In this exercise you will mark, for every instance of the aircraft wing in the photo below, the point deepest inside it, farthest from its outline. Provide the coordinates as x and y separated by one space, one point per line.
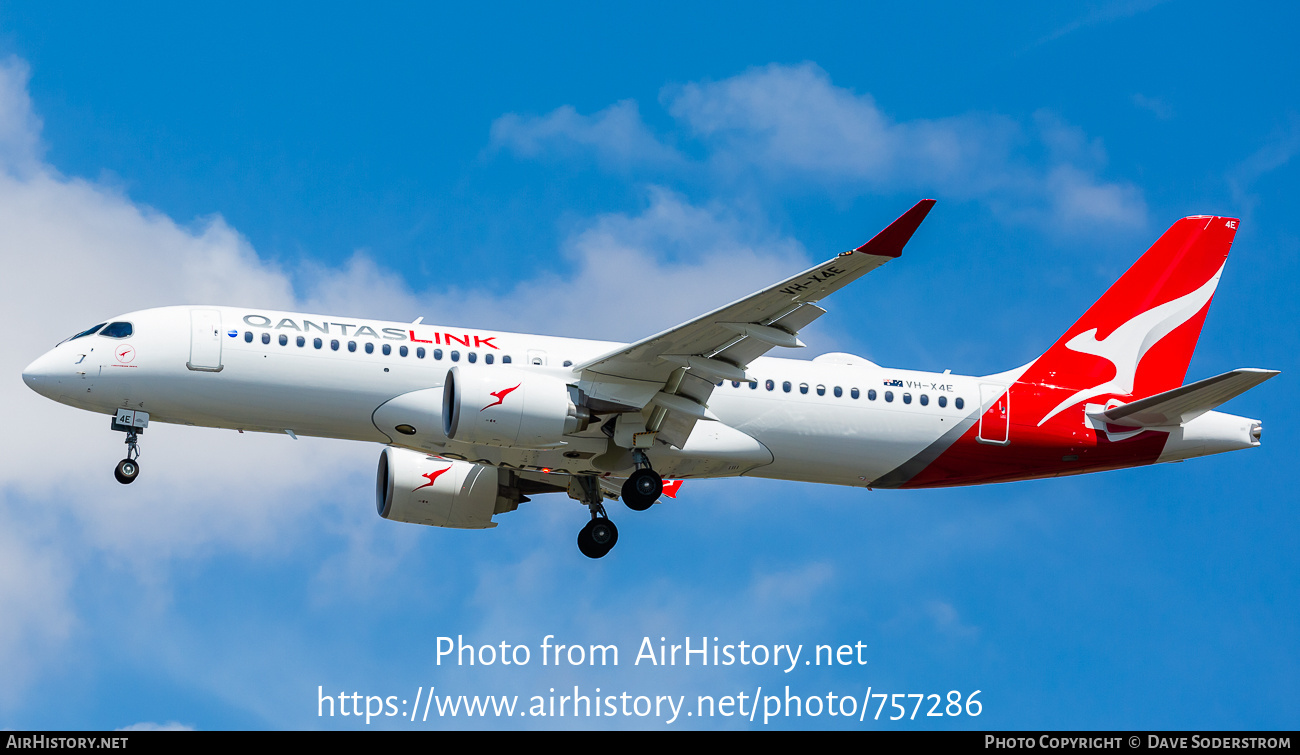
686 362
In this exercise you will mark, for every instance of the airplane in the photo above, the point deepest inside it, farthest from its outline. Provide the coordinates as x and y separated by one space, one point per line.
474 422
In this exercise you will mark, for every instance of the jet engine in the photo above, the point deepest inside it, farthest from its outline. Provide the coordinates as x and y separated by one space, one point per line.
417 488
512 408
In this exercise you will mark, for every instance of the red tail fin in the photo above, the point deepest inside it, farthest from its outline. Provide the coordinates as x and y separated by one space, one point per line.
1138 338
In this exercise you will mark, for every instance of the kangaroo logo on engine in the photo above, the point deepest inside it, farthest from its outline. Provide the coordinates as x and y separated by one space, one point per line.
500 397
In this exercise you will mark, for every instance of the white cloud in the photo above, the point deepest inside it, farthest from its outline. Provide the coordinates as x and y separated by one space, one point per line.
1102 13
1281 146
793 122
780 124
792 119
616 135
647 271
36 616
76 252
1154 105
20 128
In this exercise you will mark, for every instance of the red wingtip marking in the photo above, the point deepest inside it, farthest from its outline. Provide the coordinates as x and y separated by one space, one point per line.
890 242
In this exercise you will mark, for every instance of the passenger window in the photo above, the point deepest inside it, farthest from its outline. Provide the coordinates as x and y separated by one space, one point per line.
568 363
889 395
855 393
821 390
907 398
871 394
437 353
266 338
455 356
505 359
248 336
753 385
472 357
959 403
301 341
770 385
116 330
388 349
786 386
925 400
803 388
839 392
284 340
352 345
334 344
487 359
403 350
420 352
317 343
735 383
370 347
943 401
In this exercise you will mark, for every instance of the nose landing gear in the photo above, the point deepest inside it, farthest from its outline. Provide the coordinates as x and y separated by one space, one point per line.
133 424
126 471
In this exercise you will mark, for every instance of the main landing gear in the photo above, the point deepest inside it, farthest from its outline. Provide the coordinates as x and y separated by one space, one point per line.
643 486
133 424
599 535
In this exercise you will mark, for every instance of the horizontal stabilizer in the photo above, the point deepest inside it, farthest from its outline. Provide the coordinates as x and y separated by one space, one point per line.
1181 405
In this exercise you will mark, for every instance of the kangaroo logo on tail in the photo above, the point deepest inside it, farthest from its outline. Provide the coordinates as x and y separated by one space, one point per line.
1127 344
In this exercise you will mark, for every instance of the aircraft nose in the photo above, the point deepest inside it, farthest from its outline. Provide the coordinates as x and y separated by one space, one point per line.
41 375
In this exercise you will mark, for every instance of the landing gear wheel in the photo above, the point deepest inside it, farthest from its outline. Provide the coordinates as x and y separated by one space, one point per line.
126 471
597 538
642 489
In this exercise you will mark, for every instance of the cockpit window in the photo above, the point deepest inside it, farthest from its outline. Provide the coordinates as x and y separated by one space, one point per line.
87 332
117 330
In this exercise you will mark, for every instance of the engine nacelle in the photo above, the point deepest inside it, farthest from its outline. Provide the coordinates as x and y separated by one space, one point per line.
414 487
512 408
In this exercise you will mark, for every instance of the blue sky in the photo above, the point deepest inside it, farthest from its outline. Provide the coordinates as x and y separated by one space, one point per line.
529 169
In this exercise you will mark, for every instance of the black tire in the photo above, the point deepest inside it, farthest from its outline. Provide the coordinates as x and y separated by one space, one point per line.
604 534
127 470
597 538
642 488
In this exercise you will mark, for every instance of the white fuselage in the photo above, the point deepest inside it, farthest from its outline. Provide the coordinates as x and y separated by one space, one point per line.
825 420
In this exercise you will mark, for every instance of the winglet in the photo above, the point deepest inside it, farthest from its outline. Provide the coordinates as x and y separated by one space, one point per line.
890 242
